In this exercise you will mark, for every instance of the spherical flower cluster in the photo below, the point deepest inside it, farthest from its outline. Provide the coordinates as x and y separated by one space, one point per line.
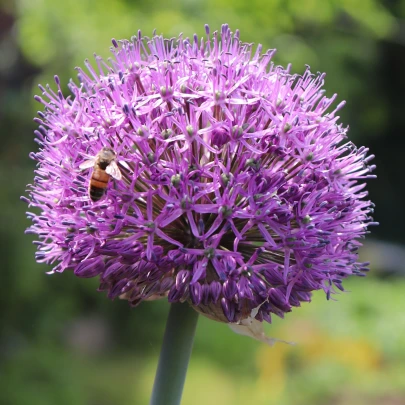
238 192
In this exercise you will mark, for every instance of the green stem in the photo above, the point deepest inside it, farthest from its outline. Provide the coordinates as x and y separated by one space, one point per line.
175 355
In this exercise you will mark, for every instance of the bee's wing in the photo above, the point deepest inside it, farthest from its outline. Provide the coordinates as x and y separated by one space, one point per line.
87 163
113 170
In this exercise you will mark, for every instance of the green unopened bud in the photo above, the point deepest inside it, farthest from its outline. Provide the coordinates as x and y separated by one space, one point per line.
287 127
209 253
151 157
185 203
225 179
163 91
226 211
90 229
190 131
143 131
309 157
290 241
306 220
246 273
175 180
249 128
237 131
151 225
166 91
167 133
253 163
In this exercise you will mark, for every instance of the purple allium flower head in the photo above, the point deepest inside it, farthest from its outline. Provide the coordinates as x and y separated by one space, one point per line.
239 192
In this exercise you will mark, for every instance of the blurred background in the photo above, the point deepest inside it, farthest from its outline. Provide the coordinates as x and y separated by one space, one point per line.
63 343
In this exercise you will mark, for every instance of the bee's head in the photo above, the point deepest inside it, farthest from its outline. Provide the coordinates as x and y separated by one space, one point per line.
107 154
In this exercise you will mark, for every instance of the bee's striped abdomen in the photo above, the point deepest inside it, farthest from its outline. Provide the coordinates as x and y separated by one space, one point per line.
98 183
96 193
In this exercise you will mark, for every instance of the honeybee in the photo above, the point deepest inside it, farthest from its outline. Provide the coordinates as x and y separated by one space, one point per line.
104 166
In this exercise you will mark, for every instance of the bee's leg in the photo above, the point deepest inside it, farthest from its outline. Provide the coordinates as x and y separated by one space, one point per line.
114 183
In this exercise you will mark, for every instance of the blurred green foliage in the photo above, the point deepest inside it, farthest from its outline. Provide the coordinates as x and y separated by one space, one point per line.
62 342
346 352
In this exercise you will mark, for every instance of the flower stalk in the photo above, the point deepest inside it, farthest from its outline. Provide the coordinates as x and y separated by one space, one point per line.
175 355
